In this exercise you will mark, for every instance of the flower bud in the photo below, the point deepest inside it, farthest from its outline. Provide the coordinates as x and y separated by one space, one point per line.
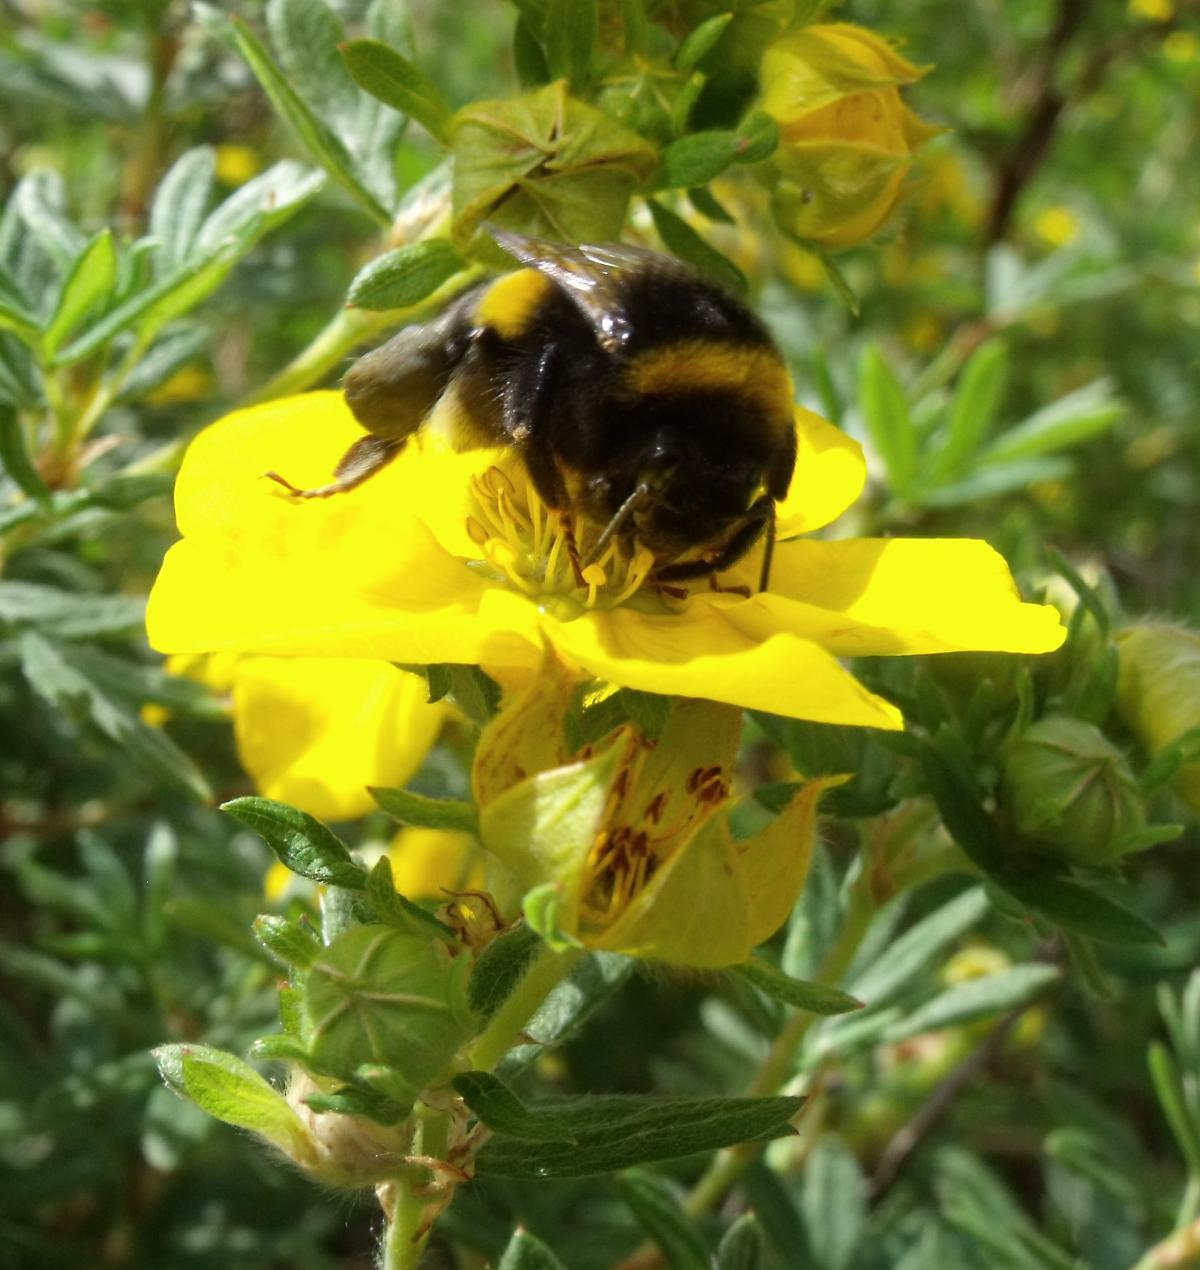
344 1150
380 996
1069 790
846 138
1158 693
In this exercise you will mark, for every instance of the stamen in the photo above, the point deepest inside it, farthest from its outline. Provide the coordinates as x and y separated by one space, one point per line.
595 577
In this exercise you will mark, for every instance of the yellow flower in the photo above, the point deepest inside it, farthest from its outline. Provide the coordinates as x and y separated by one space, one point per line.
1152 10
1056 226
426 863
236 164
629 840
846 137
448 557
1181 46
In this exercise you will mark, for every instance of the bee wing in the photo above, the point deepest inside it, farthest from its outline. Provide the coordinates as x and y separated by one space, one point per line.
593 275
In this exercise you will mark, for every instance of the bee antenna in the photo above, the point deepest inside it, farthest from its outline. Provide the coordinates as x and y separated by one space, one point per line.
768 552
620 516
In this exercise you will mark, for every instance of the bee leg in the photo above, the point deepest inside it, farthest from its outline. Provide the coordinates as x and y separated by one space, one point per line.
528 407
362 460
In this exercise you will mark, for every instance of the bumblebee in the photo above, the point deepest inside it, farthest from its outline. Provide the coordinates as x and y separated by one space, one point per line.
645 401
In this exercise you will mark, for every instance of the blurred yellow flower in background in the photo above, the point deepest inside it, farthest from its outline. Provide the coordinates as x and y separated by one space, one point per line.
236 164
1056 226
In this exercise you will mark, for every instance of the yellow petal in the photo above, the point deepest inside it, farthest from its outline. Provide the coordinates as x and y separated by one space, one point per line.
829 477
701 652
426 863
317 732
870 596
718 898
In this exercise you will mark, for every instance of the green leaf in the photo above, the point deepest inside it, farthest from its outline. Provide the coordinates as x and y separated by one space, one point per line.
816 998
885 411
975 999
976 401
69 614
1069 421
306 36
616 1132
235 1093
287 941
174 349
39 200
259 206
16 318
994 480
55 674
590 984
700 42
696 159
529 60
500 967
90 282
1168 1087
919 948
426 813
300 841
834 1204
503 1112
1078 908
322 145
656 1203
953 787
153 307
527 1252
394 909
571 29
405 276
17 463
688 245
179 206
743 1246
395 81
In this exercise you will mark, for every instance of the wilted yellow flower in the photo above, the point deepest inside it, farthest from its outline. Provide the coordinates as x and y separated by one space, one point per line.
632 835
846 137
448 557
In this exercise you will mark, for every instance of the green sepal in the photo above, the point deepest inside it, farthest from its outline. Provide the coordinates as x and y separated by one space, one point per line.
279 1047
300 841
394 909
542 907
351 1100
381 996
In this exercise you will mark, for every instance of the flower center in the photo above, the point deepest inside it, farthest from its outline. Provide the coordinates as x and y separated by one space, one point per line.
533 550
625 856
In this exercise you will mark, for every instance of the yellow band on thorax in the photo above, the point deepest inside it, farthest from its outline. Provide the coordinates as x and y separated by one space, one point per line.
509 303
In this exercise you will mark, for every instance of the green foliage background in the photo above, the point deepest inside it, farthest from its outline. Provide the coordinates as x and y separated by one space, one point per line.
126 900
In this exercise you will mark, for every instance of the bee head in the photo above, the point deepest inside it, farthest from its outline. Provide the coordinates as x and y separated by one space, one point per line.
693 497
